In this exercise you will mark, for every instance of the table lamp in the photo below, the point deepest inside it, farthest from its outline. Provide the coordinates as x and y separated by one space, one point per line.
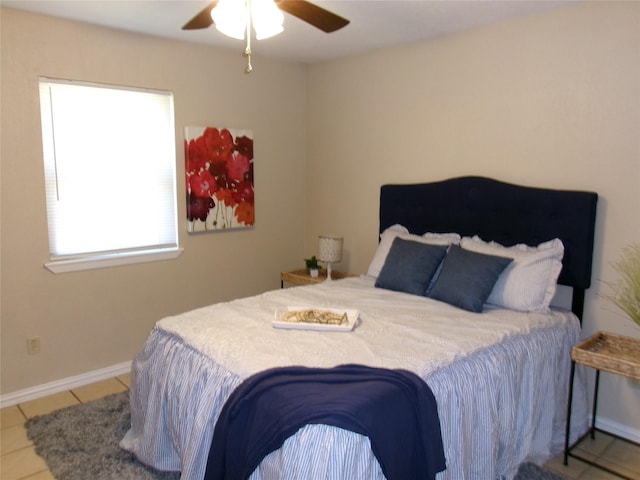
329 250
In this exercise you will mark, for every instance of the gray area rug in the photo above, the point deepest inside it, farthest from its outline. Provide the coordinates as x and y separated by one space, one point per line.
81 442
531 471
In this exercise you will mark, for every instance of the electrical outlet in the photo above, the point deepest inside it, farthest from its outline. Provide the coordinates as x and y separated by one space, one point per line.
33 345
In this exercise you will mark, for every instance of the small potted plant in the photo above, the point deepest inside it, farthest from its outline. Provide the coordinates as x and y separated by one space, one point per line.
312 266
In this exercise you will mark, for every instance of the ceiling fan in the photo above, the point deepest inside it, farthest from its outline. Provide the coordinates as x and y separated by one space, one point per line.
306 11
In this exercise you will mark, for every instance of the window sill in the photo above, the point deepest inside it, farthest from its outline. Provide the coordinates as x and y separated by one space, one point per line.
112 260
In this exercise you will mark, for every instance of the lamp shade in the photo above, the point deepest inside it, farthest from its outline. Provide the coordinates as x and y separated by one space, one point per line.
329 249
230 17
266 17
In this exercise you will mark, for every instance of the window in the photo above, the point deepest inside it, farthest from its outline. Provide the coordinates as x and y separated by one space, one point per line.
109 162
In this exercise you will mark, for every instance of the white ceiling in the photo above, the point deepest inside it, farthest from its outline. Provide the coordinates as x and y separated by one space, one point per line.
374 23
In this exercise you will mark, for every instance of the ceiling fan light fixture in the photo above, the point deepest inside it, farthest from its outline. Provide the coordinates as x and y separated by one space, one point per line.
234 18
266 18
231 17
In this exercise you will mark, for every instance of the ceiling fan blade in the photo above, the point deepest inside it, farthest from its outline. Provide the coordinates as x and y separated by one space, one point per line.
202 19
318 17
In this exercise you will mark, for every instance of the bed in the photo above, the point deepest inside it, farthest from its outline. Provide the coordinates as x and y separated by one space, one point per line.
499 374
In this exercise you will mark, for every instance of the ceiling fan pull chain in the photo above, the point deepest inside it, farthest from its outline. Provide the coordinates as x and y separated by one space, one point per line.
247 53
247 50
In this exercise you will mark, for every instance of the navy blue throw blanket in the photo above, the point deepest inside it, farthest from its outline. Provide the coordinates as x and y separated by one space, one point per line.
394 408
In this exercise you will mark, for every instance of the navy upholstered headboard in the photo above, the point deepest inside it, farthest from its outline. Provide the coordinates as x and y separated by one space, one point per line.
502 212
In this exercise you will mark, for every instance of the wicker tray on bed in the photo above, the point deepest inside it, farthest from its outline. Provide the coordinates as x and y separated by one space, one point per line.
611 353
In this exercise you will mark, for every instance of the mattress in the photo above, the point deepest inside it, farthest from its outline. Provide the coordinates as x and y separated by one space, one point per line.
500 379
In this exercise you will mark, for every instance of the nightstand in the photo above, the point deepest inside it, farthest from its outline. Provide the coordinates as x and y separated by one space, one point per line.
606 352
302 277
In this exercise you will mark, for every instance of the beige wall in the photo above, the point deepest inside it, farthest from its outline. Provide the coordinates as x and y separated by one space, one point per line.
549 100
95 319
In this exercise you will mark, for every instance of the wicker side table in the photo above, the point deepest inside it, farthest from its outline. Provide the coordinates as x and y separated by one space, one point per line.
605 352
302 277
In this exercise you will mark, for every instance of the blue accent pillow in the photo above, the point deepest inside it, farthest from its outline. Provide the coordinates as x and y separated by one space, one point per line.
409 266
467 278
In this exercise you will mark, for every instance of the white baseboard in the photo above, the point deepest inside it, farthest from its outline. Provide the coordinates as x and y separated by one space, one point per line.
65 384
618 429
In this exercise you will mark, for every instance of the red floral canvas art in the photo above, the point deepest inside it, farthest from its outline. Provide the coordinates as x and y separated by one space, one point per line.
219 175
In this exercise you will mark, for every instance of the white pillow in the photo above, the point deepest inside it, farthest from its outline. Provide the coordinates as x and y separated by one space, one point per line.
529 282
442 238
387 237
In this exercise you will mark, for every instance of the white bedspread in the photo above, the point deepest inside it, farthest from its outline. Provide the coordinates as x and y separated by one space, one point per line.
500 379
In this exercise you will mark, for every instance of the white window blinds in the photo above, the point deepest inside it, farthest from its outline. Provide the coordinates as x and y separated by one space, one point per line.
109 160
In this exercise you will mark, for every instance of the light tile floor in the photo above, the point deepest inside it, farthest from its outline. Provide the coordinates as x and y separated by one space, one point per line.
18 459
20 462
615 454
